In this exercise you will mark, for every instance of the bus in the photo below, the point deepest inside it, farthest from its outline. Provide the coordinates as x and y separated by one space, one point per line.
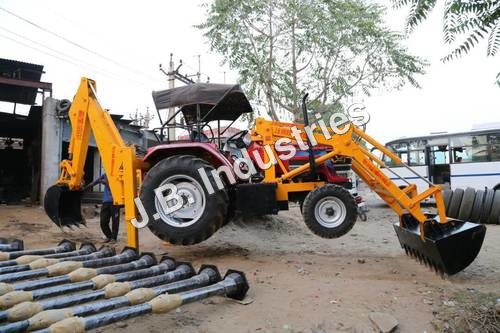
451 160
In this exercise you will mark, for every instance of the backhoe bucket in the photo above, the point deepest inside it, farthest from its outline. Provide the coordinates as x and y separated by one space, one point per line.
447 248
63 206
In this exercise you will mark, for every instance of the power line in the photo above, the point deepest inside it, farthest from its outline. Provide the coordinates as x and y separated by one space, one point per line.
88 65
70 61
73 43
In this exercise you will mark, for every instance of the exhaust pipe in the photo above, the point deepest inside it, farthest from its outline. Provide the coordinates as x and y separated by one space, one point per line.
234 286
7 257
86 248
27 309
15 245
206 276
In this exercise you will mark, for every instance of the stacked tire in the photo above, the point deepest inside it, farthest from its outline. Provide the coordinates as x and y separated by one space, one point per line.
481 206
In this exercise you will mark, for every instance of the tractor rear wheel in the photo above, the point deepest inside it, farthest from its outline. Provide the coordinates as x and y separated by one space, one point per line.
330 211
201 213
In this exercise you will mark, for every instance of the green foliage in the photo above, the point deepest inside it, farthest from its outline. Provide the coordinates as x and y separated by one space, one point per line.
472 21
331 49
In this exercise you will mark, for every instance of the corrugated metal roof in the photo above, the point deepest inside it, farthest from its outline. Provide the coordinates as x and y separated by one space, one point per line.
13 69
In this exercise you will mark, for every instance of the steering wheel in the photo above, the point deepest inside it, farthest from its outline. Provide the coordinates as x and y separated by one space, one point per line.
237 139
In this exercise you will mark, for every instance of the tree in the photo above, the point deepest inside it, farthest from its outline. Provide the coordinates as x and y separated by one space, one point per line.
472 21
141 119
331 49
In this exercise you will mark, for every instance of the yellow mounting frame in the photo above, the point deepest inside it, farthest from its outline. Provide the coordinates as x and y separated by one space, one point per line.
364 163
119 160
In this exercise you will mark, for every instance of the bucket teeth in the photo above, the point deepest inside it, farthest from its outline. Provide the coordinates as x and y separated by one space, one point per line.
422 259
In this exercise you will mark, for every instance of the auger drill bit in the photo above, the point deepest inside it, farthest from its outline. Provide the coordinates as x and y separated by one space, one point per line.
206 276
66 267
234 285
23 262
63 246
27 309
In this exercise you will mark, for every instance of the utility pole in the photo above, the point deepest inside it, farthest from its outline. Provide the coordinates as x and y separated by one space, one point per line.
199 68
171 84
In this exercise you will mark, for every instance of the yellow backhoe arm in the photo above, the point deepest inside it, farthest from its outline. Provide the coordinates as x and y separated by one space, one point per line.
364 163
120 164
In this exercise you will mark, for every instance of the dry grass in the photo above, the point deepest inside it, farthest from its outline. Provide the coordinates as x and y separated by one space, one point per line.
469 311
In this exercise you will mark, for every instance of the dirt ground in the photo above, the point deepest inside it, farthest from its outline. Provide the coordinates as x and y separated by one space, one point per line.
298 282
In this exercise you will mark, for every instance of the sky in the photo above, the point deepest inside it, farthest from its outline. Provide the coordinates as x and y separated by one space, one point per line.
120 44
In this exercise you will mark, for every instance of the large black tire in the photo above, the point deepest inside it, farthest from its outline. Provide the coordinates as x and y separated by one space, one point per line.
495 209
447 197
330 201
456 200
487 203
215 205
467 203
477 207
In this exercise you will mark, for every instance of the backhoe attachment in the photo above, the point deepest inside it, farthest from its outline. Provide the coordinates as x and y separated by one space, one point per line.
63 206
62 201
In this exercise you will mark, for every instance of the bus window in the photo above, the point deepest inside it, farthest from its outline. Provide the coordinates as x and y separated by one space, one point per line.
495 152
480 153
440 155
417 157
462 154
404 157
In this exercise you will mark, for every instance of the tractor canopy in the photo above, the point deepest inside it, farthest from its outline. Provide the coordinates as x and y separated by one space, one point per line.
215 101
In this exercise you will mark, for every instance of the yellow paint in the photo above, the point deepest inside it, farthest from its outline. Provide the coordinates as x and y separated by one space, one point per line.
120 164
364 163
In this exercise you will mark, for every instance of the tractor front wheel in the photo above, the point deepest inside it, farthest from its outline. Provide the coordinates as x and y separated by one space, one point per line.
330 211
201 213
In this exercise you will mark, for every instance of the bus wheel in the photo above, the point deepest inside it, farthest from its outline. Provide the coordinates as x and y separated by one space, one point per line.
488 201
477 207
456 200
467 203
495 209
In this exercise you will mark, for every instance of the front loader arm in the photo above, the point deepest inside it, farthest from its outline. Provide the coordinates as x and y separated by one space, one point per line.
447 245
120 164
364 163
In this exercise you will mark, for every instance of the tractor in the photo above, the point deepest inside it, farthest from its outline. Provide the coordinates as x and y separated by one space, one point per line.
184 191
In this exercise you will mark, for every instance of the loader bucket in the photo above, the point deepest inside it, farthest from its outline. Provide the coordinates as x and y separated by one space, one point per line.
447 248
63 206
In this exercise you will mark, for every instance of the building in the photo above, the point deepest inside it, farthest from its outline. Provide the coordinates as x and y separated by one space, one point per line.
32 145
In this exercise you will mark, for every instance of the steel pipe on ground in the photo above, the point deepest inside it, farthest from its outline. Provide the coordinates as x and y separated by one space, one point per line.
64 266
234 285
15 245
47 282
85 248
27 309
37 266
22 263
114 289
64 246
207 275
